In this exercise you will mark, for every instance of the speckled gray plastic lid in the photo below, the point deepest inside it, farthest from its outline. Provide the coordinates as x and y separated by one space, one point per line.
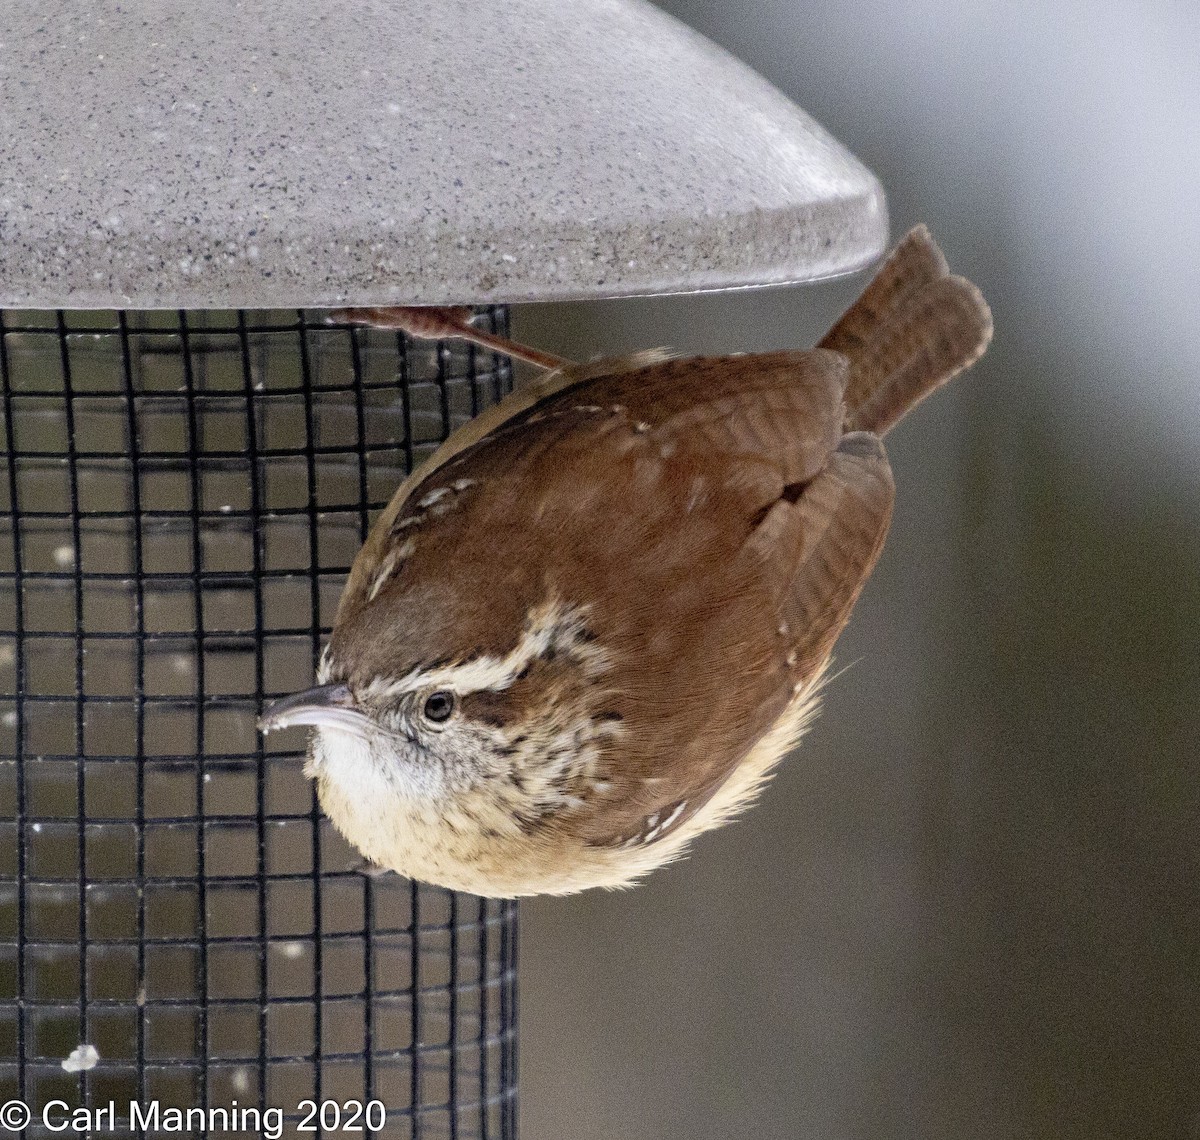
278 153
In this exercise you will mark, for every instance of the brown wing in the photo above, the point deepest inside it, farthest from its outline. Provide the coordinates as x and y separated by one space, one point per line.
779 407
736 406
818 550
778 414
809 558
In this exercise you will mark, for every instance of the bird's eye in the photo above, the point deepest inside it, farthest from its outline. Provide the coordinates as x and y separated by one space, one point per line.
438 706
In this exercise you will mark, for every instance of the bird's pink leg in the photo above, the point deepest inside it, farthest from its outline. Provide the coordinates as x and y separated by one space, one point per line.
433 322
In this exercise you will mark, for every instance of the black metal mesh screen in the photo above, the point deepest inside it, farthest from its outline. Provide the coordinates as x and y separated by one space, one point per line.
181 499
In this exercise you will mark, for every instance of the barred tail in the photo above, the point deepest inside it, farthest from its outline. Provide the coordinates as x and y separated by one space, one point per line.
915 326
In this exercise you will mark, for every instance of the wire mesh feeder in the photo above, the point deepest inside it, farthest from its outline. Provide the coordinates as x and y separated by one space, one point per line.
182 498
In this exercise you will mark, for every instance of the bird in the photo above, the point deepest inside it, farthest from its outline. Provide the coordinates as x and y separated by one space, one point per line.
588 628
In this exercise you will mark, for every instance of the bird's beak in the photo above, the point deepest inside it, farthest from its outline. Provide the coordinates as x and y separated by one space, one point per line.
327 706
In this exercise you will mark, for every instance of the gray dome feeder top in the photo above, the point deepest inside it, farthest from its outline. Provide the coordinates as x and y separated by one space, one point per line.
231 153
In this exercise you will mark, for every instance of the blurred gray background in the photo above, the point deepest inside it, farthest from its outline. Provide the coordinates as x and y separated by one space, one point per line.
969 906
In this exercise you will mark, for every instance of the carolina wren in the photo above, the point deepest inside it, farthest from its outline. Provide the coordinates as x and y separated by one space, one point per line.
590 625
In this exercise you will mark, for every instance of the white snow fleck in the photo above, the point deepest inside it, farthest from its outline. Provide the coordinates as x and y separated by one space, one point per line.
82 1058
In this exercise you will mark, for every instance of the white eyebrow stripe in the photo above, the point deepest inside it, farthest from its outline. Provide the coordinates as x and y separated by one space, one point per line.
549 624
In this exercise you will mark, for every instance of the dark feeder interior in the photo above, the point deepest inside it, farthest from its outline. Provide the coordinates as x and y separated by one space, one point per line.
183 494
